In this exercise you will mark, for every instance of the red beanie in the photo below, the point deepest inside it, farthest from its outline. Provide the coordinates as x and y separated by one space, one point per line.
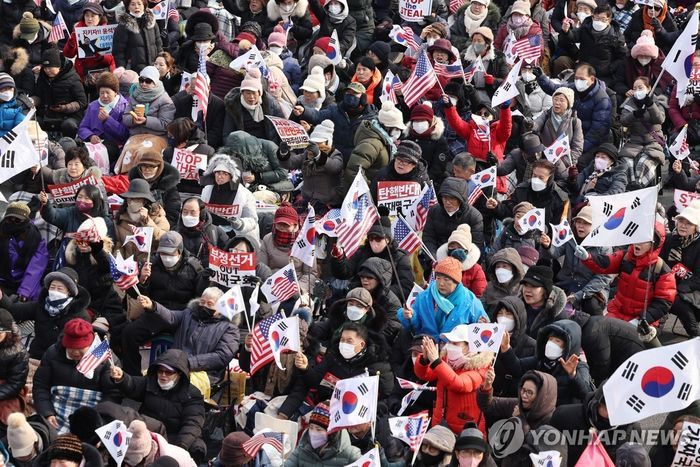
422 112
287 214
324 44
77 334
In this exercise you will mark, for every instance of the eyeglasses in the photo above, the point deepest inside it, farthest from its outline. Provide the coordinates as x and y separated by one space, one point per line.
145 80
483 114
148 167
404 161
527 392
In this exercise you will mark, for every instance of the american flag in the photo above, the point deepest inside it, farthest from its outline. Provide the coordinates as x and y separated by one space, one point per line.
350 232
121 279
419 208
449 71
390 85
58 29
173 15
261 352
417 426
422 79
407 239
253 445
93 358
476 66
282 285
406 384
528 48
201 86
483 128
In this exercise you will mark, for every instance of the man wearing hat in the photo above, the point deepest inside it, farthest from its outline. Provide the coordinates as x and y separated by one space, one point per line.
11 112
543 300
604 176
520 159
471 449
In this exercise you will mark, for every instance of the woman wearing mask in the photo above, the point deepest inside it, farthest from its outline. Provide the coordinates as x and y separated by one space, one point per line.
605 175
471 449
10 112
532 101
150 108
503 275
643 153
654 18
470 17
458 374
198 231
645 60
460 246
427 132
139 210
137 40
296 11
370 77
375 277
561 119
495 64
520 24
170 75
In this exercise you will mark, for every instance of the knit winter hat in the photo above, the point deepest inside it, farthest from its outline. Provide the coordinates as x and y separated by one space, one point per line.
253 27
391 117
441 438
609 150
320 415
315 82
252 82
451 268
381 50
77 334
324 43
150 72
422 113
67 276
18 210
286 214
568 93
523 207
522 7
360 294
108 80
140 444
28 26
691 213
66 447
6 320
20 435
485 32
462 236
277 38
409 151
645 46
323 132
382 227
528 255
232 454
6 81
540 276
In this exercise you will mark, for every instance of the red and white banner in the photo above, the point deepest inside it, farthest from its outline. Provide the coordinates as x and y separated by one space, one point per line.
65 193
395 195
189 163
230 268
682 198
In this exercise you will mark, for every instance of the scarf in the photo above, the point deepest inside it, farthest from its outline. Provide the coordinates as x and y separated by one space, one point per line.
110 105
522 30
677 251
472 21
647 19
388 141
56 307
558 120
255 111
443 303
589 184
146 97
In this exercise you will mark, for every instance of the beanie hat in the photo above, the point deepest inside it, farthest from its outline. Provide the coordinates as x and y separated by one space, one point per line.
77 334
368 63
324 43
252 82
150 72
441 438
471 438
609 150
323 132
409 150
320 415
523 7
66 447
436 28
528 255
6 321
360 294
589 3
140 444
315 82
450 267
20 435
6 81
646 46
277 38
67 276
18 210
422 112
632 455
391 117
523 206
28 26
254 28
381 50
232 453
568 93
382 227
485 32
540 276
691 213
286 214
108 80
462 236
83 423
245 36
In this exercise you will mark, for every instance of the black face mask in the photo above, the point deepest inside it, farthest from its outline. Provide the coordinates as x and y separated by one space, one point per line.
427 459
13 229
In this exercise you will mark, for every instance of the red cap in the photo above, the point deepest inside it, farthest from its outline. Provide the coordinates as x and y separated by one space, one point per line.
324 44
286 214
77 334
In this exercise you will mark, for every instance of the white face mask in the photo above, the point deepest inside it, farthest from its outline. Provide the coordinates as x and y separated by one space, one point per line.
287 8
581 16
601 163
454 352
639 95
537 185
55 295
335 9
275 50
354 313
552 351
317 438
7 95
506 322
599 25
167 386
431 41
644 61
421 127
503 275
347 350
169 261
581 85
396 133
137 15
528 77
190 221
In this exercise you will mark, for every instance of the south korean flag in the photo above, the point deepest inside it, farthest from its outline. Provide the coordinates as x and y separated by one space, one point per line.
622 219
354 401
654 381
485 336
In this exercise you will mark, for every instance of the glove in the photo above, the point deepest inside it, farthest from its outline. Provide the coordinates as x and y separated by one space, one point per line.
237 223
469 89
321 159
446 101
573 172
284 148
639 113
646 333
491 158
314 151
648 101
656 24
537 71
336 252
96 247
581 253
488 79
528 124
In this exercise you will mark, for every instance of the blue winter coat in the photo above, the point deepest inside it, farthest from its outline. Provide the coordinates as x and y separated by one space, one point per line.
345 127
10 116
594 110
467 310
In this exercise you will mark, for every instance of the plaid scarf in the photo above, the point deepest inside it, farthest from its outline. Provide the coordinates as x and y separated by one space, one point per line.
66 400
589 184
674 256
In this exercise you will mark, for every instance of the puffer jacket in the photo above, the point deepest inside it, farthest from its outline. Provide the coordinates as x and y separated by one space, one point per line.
164 190
575 279
181 409
137 41
320 175
257 155
14 364
301 20
686 270
456 390
338 452
644 282
159 113
605 50
642 129
473 276
66 89
16 63
500 132
459 35
434 150
611 182
238 118
372 152
10 115
210 342
495 291
555 308
571 126
174 288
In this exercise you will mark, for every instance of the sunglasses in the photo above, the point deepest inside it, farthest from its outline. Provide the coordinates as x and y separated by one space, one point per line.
145 80
483 114
657 8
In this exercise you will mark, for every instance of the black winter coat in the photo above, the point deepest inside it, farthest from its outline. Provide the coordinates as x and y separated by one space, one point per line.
553 199
64 88
434 152
137 41
14 365
686 284
11 14
605 50
164 190
636 26
56 370
345 29
238 118
181 409
197 239
175 288
214 120
46 328
612 182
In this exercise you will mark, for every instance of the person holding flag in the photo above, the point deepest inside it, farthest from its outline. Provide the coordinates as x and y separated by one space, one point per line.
559 120
512 234
524 29
411 393
460 246
335 16
484 63
605 175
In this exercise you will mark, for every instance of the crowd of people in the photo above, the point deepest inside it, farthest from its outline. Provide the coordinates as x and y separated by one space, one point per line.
113 117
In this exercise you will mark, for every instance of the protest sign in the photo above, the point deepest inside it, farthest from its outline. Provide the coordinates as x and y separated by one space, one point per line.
414 10
94 40
229 268
688 452
395 195
65 193
290 132
682 198
189 163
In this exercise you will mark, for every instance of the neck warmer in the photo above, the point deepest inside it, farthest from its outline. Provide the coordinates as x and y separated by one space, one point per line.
472 22
146 97
443 303
283 239
54 308
254 110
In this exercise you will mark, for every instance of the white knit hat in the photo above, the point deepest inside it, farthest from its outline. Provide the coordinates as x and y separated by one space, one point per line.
462 235
691 213
323 132
20 435
151 73
315 82
391 117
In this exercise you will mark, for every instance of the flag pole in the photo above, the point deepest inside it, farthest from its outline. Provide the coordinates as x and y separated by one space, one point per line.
41 172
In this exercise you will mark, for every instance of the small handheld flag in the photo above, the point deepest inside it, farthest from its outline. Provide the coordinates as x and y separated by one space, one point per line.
561 233
532 220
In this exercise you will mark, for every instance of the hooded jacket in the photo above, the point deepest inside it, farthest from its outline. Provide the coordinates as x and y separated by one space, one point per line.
137 41
64 89
384 301
345 29
14 364
164 190
16 63
495 291
181 409
552 310
473 277
644 281
257 155
373 150
338 452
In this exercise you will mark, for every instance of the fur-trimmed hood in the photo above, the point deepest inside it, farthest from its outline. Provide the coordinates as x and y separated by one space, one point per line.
201 16
473 255
72 251
18 60
274 13
207 178
553 310
12 345
476 361
438 128
134 25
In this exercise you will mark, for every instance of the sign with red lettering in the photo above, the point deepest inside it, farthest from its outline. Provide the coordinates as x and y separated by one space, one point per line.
65 193
682 198
414 10
290 132
189 163
395 195
230 268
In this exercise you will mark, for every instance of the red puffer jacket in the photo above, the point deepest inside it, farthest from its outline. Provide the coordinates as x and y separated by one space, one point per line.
634 281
